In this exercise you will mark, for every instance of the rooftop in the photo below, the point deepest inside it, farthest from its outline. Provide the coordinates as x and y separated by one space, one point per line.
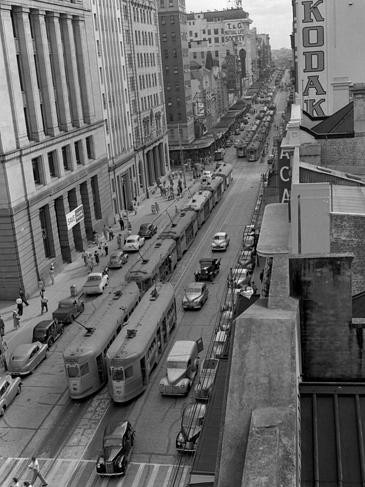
274 232
348 199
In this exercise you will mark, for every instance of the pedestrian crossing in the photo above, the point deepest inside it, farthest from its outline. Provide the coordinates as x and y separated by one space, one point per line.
82 473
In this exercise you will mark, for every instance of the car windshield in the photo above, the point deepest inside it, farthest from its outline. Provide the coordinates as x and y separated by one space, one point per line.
218 237
131 240
176 364
64 305
194 290
94 278
143 227
73 370
112 441
39 334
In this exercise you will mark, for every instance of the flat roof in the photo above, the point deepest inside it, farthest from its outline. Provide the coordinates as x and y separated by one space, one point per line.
274 233
348 199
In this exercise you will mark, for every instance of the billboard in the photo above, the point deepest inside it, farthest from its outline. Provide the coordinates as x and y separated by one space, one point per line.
74 217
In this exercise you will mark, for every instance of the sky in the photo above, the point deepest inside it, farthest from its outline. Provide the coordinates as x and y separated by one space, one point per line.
273 17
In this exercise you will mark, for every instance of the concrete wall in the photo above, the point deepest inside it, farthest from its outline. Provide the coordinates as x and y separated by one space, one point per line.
323 286
348 235
264 374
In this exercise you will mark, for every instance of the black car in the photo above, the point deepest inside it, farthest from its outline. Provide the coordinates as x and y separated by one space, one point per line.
69 309
209 268
47 331
147 230
118 442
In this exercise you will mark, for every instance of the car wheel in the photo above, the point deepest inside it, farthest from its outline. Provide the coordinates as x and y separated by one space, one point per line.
50 343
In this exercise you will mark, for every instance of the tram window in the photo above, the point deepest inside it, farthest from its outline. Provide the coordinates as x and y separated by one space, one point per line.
117 373
128 372
84 369
72 370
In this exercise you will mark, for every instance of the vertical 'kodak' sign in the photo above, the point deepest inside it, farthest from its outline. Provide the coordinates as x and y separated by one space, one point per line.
313 41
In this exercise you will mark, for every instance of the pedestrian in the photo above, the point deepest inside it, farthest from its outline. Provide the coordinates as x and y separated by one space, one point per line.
27 484
15 482
34 465
84 256
121 223
261 275
16 320
119 240
106 248
22 295
96 257
3 360
51 273
91 263
44 304
111 233
19 305
106 233
2 327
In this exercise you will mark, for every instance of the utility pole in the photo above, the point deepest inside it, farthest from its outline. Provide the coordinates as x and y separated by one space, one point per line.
181 156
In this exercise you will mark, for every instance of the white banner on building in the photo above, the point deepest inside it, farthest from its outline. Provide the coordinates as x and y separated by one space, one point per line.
75 216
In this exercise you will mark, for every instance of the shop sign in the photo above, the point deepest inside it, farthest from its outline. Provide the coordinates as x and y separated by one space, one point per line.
284 174
313 38
74 217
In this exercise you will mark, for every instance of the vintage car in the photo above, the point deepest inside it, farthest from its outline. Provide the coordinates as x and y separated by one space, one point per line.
226 318
9 388
147 230
239 277
117 259
220 241
69 309
209 268
95 283
181 368
191 425
133 243
196 294
118 440
47 331
205 383
247 259
26 357
219 344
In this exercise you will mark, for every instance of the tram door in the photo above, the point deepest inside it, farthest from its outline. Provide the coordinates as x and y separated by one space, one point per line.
144 371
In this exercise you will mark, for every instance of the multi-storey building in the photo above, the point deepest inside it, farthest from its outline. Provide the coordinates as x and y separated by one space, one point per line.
113 75
53 172
263 54
227 34
176 71
139 20
324 33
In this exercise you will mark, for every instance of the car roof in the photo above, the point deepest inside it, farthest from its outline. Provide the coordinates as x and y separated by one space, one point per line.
116 428
134 237
95 274
43 325
145 225
4 378
195 284
70 300
220 234
24 348
116 253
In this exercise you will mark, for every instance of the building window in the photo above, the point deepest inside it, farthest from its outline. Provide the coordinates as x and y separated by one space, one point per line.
216 40
90 147
209 32
216 53
78 152
52 163
172 19
66 158
37 170
216 31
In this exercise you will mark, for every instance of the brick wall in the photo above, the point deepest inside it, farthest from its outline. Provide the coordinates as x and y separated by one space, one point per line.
348 235
323 286
346 155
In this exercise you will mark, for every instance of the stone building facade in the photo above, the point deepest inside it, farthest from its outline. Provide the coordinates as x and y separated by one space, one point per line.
53 171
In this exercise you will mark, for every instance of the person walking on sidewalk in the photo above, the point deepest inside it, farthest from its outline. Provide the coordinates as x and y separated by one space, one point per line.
121 223
90 263
16 320
44 304
84 255
2 327
34 465
19 305
106 248
96 257
22 295
51 273
111 233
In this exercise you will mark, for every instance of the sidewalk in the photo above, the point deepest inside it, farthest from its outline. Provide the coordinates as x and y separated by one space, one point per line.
76 272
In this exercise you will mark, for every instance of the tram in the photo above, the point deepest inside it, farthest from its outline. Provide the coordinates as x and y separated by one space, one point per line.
182 229
156 264
225 171
241 149
139 346
215 186
84 358
201 203
254 150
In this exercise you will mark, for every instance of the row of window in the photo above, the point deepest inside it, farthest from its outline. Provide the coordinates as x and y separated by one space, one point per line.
145 81
209 32
146 59
142 15
53 160
216 40
143 38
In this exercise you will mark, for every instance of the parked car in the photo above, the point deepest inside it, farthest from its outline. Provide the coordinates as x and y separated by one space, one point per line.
207 375
47 331
196 294
133 243
220 241
147 230
118 440
219 343
95 283
26 357
117 259
240 276
181 368
69 309
9 388
207 174
191 425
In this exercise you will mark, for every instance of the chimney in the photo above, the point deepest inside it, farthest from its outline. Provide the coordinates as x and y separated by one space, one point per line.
358 96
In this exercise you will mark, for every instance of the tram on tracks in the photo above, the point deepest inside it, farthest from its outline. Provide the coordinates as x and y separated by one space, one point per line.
202 204
139 346
156 264
215 186
84 358
225 171
182 229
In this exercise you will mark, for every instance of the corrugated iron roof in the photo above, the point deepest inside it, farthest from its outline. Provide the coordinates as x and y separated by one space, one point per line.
348 199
